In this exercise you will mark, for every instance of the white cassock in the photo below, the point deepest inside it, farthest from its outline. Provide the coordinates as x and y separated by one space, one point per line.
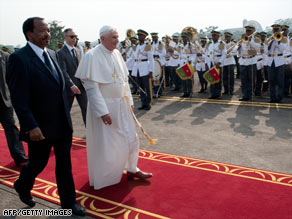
111 149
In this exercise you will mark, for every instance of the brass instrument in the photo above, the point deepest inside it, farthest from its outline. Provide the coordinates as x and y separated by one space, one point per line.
278 36
193 31
129 33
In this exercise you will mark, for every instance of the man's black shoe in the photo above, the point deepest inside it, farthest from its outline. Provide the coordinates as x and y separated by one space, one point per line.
213 97
185 95
147 108
142 107
20 159
225 92
244 99
24 196
76 209
231 92
273 101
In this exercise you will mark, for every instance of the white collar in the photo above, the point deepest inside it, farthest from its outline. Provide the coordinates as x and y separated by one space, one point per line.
69 47
38 51
105 49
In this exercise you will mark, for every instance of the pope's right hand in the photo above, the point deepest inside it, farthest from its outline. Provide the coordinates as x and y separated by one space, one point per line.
36 134
150 75
107 120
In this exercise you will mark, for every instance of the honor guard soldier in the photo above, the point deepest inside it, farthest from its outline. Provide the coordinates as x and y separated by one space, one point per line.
130 64
276 62
158 49
143 68
187 55
248 48
168 48
259 76
216 56
264 52
229 62
200 66
174 62
288 61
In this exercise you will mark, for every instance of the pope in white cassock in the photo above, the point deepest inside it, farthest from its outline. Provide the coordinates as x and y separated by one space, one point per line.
112 141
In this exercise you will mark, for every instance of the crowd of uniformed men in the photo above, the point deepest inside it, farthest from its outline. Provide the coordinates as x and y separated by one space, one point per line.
262 63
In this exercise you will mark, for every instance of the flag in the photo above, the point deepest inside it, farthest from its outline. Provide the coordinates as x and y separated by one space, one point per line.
212 76
185 72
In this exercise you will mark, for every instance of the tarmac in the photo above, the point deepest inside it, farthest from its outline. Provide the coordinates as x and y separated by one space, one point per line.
254 134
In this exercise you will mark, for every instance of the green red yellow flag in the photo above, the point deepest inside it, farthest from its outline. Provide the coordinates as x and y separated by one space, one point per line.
185 72
212 76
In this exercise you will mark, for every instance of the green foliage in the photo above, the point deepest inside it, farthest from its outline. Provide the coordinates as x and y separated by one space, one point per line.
57 34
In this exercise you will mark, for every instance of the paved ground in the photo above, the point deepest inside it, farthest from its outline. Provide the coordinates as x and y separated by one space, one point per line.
254 134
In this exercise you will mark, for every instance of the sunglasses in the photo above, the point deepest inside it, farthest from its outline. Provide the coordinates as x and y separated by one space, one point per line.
73 36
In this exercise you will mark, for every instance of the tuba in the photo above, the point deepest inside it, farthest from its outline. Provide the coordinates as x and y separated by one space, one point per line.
129 33
193 31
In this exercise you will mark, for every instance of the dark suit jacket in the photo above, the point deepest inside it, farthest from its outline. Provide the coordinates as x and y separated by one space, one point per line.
4 92
69 68
38 98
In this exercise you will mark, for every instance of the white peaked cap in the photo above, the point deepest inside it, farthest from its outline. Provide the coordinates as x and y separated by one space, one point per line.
105 30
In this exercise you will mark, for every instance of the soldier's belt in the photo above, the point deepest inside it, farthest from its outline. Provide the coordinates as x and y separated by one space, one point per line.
141 60
247 57
287 56
271 55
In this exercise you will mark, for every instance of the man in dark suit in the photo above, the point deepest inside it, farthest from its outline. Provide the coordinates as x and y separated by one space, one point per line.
69 58
6 116
38 95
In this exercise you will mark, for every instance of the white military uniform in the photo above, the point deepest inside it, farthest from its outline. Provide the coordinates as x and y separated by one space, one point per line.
143 61
215 54
159 50
245 57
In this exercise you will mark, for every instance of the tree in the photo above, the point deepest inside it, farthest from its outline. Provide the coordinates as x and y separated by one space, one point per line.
57 34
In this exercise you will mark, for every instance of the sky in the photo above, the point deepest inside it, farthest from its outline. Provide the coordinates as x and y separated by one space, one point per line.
86 17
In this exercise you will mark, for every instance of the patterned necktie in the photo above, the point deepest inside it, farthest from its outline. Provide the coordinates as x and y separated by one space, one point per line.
74 56
48 64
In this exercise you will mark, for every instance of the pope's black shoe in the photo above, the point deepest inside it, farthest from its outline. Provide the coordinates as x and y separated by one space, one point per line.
76 209
24 196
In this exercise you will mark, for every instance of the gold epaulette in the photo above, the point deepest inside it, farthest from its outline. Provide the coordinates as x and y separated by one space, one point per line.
121 50
222 45
284 40
147 47
257 40
232 43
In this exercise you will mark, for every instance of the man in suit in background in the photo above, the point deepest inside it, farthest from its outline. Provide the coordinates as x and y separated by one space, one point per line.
69 60
38 95
6 116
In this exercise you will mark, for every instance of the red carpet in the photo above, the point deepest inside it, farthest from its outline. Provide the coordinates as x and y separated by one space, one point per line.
181 188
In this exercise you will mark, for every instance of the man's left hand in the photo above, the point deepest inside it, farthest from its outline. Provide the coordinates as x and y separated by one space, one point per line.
218 65
75 90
